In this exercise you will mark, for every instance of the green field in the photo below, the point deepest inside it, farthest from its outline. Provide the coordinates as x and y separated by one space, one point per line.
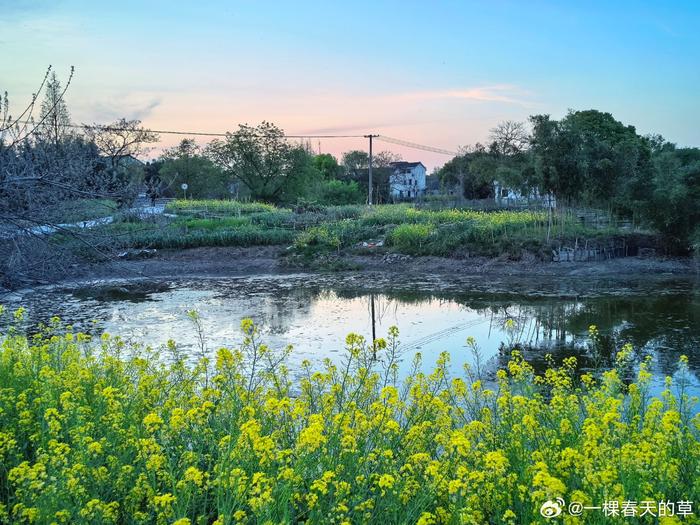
402 228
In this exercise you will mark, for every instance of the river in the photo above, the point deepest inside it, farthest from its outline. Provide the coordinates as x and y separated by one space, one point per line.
314 313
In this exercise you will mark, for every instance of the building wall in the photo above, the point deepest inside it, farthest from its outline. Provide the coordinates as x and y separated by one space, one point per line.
507 197
408 185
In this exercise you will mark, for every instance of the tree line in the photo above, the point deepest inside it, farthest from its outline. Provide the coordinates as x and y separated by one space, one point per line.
259 163
589 159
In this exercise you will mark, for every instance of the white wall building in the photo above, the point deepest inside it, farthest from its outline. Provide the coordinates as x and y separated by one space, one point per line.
407 180
505 196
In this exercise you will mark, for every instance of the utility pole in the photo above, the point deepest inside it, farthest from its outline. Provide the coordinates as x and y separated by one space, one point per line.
369 196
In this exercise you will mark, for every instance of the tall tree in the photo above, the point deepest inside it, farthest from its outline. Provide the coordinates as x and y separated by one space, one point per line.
359 160
591 158
120 139
384 159
354 160
185 163
261 158
673 206
509 137
54 118
472 172
355 168
327 165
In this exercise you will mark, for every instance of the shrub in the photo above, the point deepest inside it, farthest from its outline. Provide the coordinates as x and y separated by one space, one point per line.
318 238
336 192
107 432
410 238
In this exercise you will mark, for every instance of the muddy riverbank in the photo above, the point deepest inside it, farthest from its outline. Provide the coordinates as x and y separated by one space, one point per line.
271 259
233 261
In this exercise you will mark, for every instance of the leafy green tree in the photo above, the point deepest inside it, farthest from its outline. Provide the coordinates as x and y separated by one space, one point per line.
327 165
185 163
337 192
262 159
355 160
307 180
674 204
465 172
589 157
613 160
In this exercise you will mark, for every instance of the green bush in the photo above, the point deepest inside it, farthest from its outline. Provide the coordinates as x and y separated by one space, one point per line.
317 239
410 238
336 192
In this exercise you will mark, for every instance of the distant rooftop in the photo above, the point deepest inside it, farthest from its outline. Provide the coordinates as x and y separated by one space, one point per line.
404 164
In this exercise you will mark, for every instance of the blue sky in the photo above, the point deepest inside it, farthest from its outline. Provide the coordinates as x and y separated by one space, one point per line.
439 73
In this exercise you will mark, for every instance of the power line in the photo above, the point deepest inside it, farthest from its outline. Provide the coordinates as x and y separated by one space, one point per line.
383 138
200 133
415 145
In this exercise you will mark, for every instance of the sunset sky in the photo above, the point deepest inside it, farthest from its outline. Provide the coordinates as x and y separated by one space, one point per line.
436 73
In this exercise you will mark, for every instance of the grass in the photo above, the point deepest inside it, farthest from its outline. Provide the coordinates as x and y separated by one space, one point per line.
104 431
404 228
189 207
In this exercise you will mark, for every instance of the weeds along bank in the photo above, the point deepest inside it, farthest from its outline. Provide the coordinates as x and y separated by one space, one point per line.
316 230
99 431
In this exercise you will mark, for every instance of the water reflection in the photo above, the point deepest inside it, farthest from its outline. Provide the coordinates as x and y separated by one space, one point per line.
316 312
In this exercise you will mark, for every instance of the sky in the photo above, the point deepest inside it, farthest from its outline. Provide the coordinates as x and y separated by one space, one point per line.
433 72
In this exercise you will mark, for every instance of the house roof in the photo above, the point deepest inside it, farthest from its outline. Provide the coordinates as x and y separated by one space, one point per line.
404 164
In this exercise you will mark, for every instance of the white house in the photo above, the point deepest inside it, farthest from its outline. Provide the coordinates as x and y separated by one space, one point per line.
505 196
407 180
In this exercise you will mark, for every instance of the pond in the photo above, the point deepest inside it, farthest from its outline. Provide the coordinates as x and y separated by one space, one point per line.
314 313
